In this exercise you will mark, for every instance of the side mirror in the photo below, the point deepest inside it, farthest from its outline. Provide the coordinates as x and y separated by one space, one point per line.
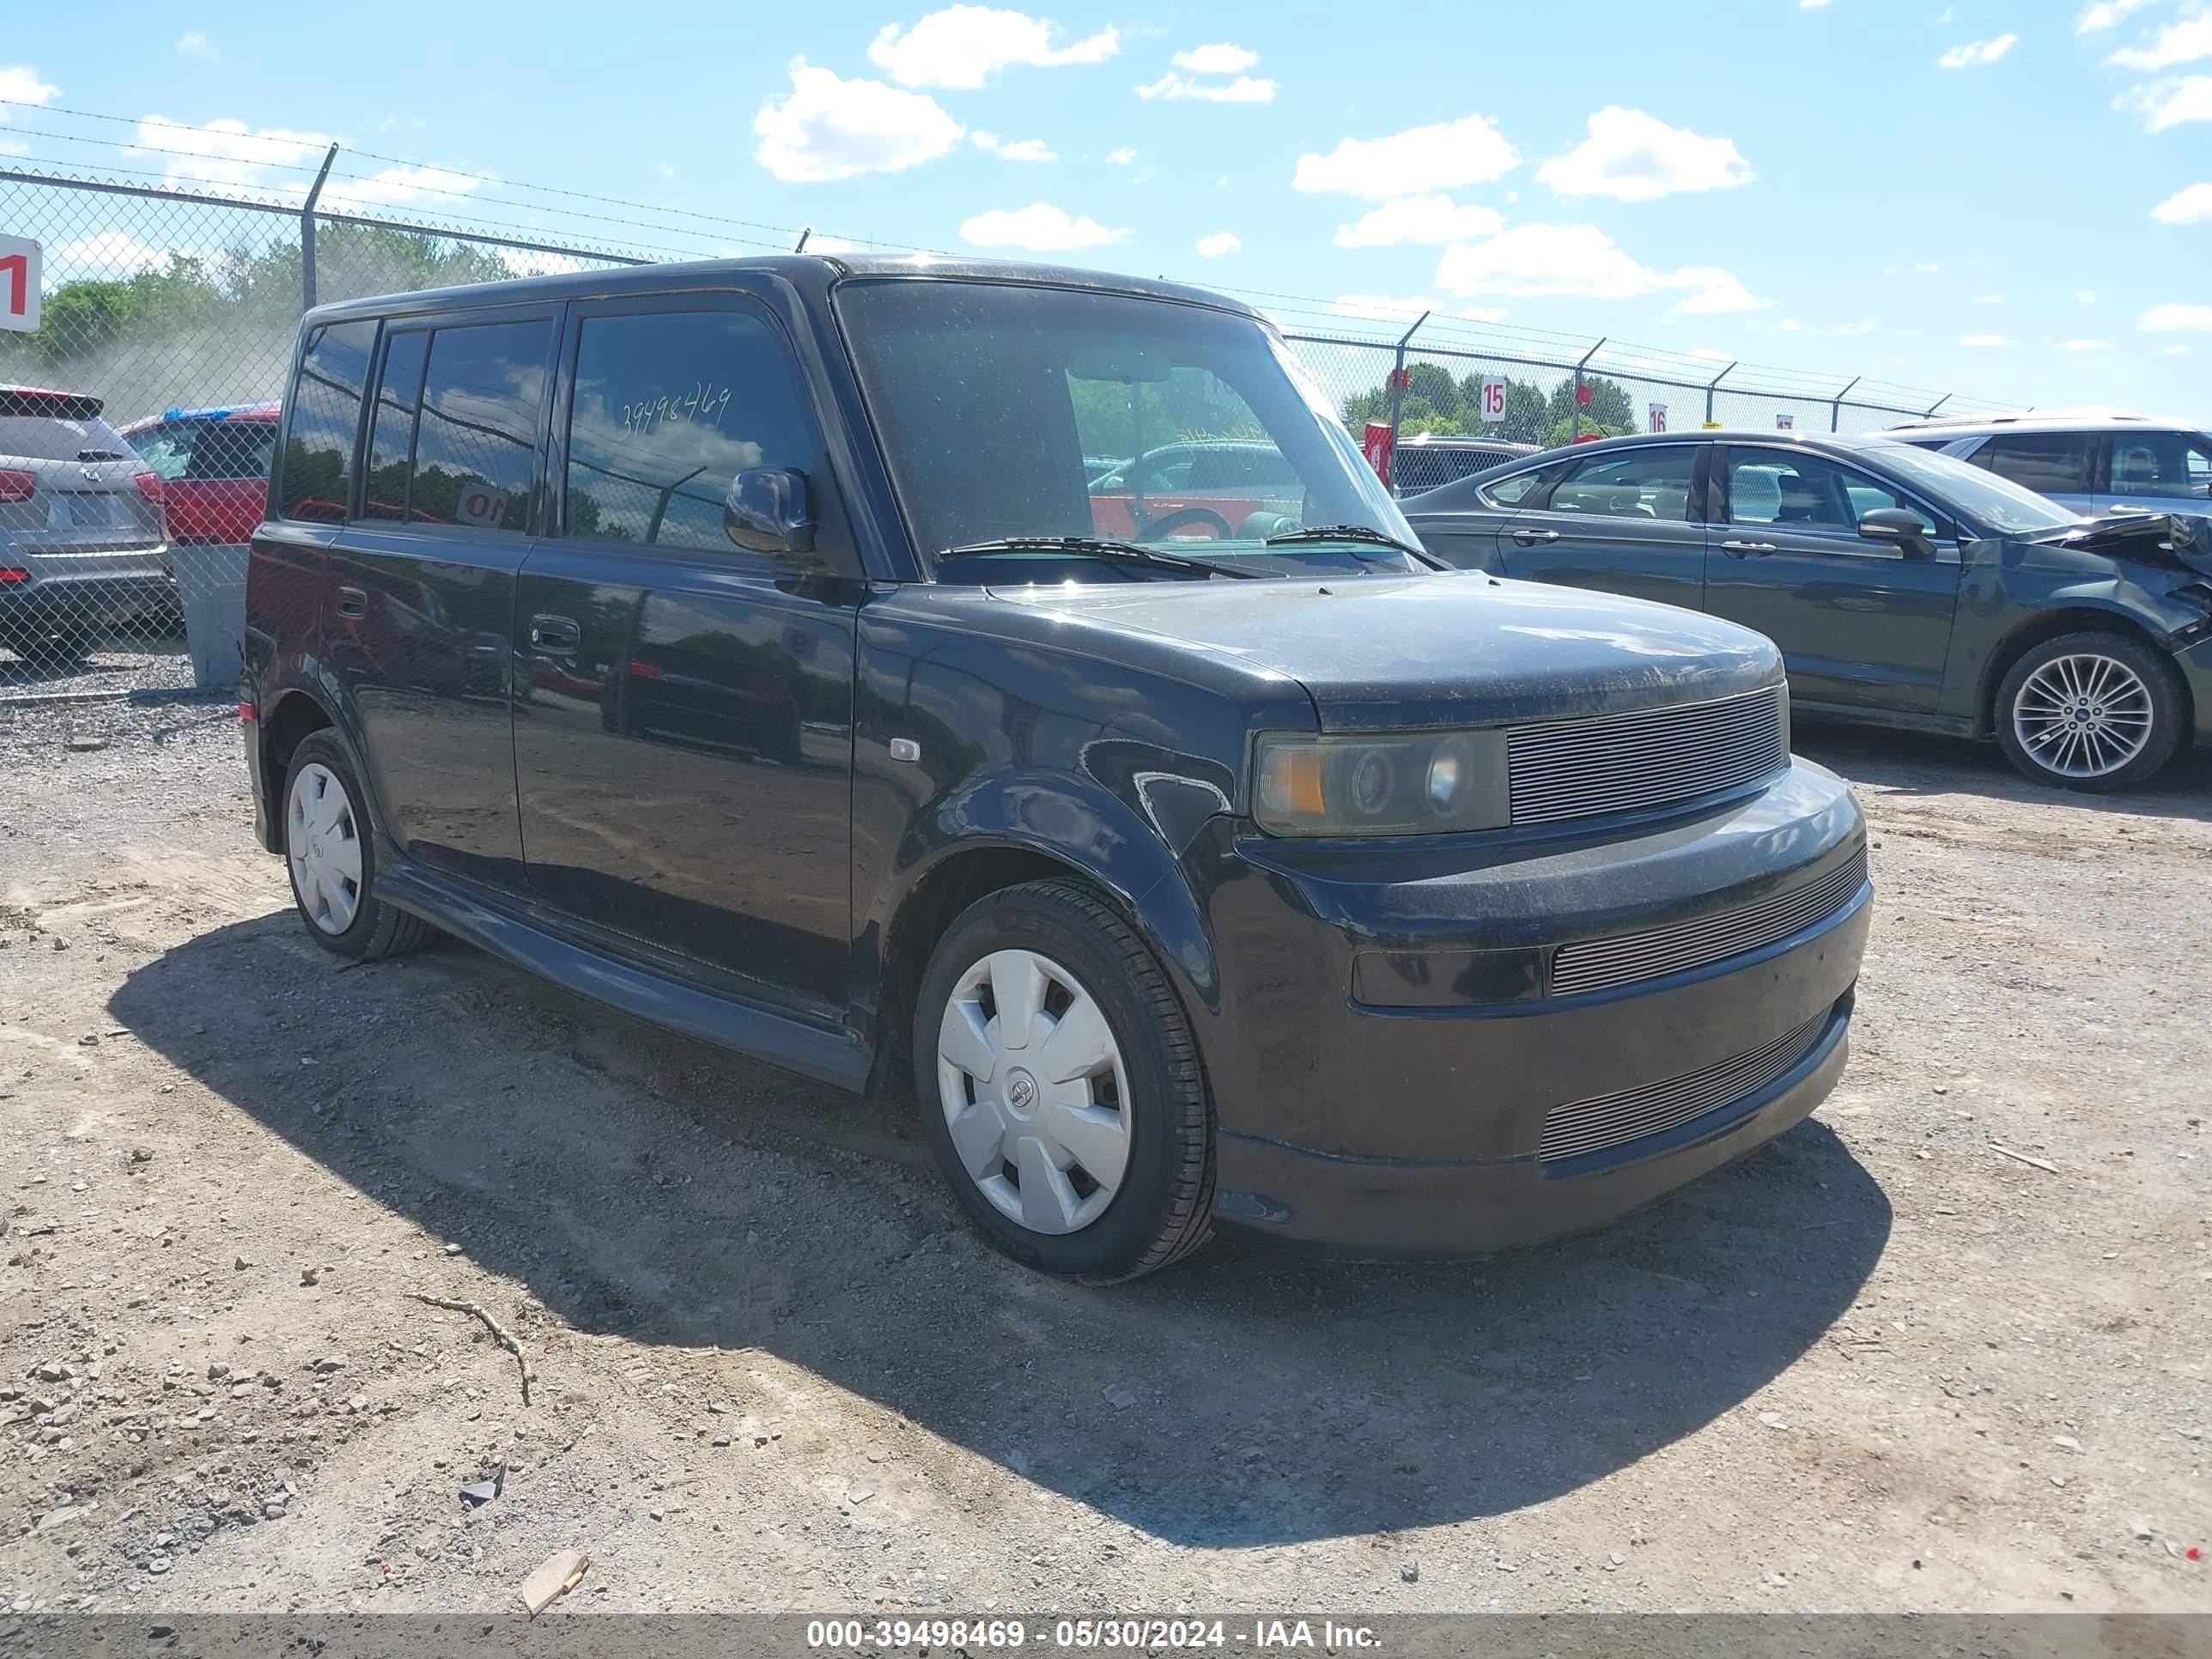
767 511
1901 525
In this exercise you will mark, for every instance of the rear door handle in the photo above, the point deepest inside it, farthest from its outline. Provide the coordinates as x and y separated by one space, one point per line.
560 634
1741 549
353 603
1531 537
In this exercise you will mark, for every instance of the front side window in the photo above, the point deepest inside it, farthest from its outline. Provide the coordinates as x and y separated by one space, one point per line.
2161 466
1776 491
324 418
991 398
1646 483
476 438
669 408
2049 463
233 449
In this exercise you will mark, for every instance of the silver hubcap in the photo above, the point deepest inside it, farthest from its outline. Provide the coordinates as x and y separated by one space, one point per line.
2082 716
324 844
1034 1092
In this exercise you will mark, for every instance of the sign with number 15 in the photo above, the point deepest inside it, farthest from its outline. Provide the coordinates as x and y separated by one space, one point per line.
18 284
1494 398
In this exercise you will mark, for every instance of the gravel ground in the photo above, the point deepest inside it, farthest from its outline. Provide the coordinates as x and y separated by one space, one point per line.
1878 1365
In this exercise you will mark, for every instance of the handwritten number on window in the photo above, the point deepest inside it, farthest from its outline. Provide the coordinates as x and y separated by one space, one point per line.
704 404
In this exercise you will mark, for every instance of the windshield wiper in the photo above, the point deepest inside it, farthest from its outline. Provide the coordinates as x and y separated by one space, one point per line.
1355 532
1094 547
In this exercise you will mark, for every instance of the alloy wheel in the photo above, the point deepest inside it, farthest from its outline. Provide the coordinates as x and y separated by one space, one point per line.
1034 1090
2084 715
322 839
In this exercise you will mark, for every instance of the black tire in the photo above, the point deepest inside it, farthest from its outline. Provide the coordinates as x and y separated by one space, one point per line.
2168 705
1161 1210
47 650
377 929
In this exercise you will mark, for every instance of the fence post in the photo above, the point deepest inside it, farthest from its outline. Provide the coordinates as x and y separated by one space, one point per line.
1398 379
1713 385
1836 409
1938 403
1575 431
307 234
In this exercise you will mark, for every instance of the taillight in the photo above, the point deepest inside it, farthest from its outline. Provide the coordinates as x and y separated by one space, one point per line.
245 711
14 573
16 485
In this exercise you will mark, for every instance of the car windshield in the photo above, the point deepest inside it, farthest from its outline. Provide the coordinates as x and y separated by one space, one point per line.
1983 497
1010 412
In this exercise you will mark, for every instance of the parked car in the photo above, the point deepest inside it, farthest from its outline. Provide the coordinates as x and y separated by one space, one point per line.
2094 464
214 467
1293 885
81 548
1904 588
1429 459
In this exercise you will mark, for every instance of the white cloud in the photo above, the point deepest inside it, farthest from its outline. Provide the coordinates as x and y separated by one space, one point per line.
2174 351
1987 300
1927 268
1222 59
1221 242
1020 149
395 186
1631 156
1419 219
19 84
111 254
2177 319
2087 345
2181 42
1583 261
227 152
2168 103
195 43
1040 227
1983 341
1380 308
1483 313
9 147
1244 89
827 128
1121 157
1975 53
1442 156
1811 5
2105 14
530 262
963 46
2188 206
2086 296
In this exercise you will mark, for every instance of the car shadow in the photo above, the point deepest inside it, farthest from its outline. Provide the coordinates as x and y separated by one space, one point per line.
644 1186
1915 763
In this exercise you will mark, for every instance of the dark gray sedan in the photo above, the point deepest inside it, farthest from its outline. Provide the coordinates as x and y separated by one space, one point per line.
1904 588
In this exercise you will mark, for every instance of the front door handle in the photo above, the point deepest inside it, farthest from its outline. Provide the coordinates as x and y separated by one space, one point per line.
555 634
353 603
1742 550
1532 537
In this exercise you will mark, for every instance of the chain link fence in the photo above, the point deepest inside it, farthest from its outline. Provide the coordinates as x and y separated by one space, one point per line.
137 420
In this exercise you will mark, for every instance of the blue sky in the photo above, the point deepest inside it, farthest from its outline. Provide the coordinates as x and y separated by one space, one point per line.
2011 198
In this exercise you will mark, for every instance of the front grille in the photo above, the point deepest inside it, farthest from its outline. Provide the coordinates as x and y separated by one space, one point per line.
1603 1121
1599 964
1651 758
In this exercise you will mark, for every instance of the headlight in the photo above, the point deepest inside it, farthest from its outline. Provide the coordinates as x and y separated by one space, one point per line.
1412 783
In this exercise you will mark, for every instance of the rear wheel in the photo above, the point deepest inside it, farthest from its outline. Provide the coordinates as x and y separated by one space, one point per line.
1060 1086
2093 710
331 857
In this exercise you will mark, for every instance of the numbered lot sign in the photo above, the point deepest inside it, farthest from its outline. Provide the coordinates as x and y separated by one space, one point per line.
1785 422
481 505
1658 417
18 284
1494 398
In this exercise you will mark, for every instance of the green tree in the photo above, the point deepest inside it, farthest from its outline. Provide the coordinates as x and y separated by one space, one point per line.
1608 407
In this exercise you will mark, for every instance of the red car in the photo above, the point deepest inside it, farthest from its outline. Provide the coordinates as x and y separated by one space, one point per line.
214 466
1199 490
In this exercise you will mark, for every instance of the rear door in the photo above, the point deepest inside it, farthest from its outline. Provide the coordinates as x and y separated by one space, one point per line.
1621 521
1861 624
684 707
422 583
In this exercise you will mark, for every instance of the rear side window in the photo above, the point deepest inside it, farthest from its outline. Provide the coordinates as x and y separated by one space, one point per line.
2049 463
2162 465
669 408
392 431
1652 483
476 438
324 419
1524 489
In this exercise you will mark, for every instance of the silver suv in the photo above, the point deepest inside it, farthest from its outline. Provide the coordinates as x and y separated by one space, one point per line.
2094 464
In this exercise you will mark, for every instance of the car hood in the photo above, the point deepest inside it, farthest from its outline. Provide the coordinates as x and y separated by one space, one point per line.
1374 652
2183 542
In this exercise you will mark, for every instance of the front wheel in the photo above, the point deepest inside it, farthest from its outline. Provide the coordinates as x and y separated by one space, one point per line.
2094 711
1060 1086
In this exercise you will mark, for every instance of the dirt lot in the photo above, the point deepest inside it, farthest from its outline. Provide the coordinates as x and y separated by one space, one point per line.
1878 1365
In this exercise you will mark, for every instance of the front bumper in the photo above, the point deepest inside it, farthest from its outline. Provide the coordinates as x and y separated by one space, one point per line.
1436 1128
2196 665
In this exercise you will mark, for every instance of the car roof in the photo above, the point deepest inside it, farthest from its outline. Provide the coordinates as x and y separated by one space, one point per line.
812 274
1464 440
2098 420
45 402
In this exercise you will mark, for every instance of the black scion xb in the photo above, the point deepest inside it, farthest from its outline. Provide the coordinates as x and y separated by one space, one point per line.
765 649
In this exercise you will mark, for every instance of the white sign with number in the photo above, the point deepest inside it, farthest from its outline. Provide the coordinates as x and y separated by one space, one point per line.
481 505
1494 398
18 284
1785 422
1658 417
